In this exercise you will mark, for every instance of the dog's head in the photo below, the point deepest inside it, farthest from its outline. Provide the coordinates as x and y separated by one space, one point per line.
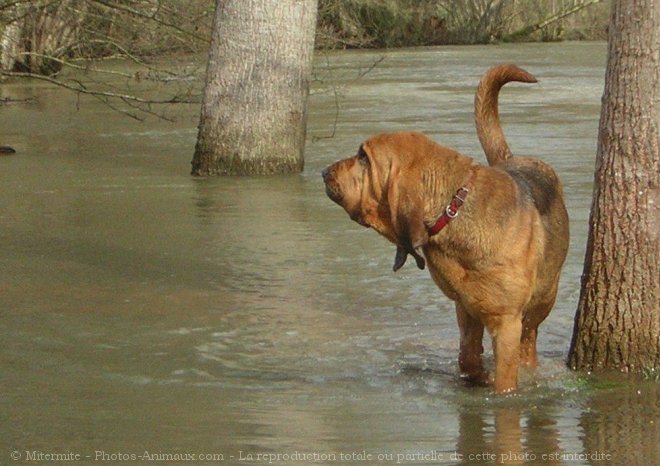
384 185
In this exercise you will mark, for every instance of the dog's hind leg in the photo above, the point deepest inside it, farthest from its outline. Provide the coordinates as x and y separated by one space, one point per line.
530 323
528 357
506 346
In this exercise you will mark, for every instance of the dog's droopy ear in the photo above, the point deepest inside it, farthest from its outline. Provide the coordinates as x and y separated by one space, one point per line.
402 255
412 234
419 260
406 211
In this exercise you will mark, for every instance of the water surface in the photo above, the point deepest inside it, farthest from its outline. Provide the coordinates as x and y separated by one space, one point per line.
249 321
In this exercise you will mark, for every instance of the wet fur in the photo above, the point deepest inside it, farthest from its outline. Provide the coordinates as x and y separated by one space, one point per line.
500 260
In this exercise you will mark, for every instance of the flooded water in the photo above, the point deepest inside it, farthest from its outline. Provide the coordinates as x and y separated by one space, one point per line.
151 317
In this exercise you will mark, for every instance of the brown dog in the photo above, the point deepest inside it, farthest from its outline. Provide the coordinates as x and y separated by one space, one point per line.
499 260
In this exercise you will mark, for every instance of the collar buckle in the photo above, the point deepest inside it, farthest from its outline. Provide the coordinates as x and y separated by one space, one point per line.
451 211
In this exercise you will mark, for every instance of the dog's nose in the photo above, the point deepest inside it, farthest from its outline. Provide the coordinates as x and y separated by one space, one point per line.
325 173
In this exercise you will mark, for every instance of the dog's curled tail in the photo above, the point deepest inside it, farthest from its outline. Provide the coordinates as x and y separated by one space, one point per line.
486 115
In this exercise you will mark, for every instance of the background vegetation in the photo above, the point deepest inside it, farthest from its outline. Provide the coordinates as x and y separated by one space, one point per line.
37 35
66 41
396 23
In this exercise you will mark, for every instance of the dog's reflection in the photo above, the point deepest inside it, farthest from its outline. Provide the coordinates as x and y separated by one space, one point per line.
505 436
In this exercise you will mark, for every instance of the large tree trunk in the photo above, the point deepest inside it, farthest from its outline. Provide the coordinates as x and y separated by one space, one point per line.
253 113
617 324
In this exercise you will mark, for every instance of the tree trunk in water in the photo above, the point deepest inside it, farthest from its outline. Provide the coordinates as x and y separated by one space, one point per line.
617 325
253 116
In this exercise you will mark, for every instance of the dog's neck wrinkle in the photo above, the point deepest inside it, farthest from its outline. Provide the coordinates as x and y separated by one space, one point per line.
441 183
462 239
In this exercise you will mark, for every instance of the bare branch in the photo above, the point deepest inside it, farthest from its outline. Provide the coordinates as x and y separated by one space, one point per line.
335 90
371 67
11 100
151 17
552 19
74 66
79 87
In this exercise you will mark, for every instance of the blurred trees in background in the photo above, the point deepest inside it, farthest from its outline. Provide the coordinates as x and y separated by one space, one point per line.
69 42
36 36
395 23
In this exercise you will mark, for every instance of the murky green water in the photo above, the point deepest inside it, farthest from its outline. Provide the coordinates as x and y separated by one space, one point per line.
248 321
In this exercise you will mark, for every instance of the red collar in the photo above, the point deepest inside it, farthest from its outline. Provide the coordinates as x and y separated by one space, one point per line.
451 211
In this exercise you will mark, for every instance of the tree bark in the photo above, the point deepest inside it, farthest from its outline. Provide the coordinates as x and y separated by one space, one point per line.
617 325
253 117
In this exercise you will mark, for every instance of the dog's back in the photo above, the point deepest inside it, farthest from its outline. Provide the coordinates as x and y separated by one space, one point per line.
537 182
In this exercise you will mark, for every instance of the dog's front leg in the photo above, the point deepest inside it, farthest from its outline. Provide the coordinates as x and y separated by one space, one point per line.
506 345
469 357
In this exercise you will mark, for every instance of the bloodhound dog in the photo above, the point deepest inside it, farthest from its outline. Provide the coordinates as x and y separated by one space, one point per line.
494 237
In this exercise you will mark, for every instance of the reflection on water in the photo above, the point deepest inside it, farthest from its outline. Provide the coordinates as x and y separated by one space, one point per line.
143 310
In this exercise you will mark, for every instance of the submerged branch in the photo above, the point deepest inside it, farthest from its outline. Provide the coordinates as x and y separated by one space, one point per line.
81 88
131 105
